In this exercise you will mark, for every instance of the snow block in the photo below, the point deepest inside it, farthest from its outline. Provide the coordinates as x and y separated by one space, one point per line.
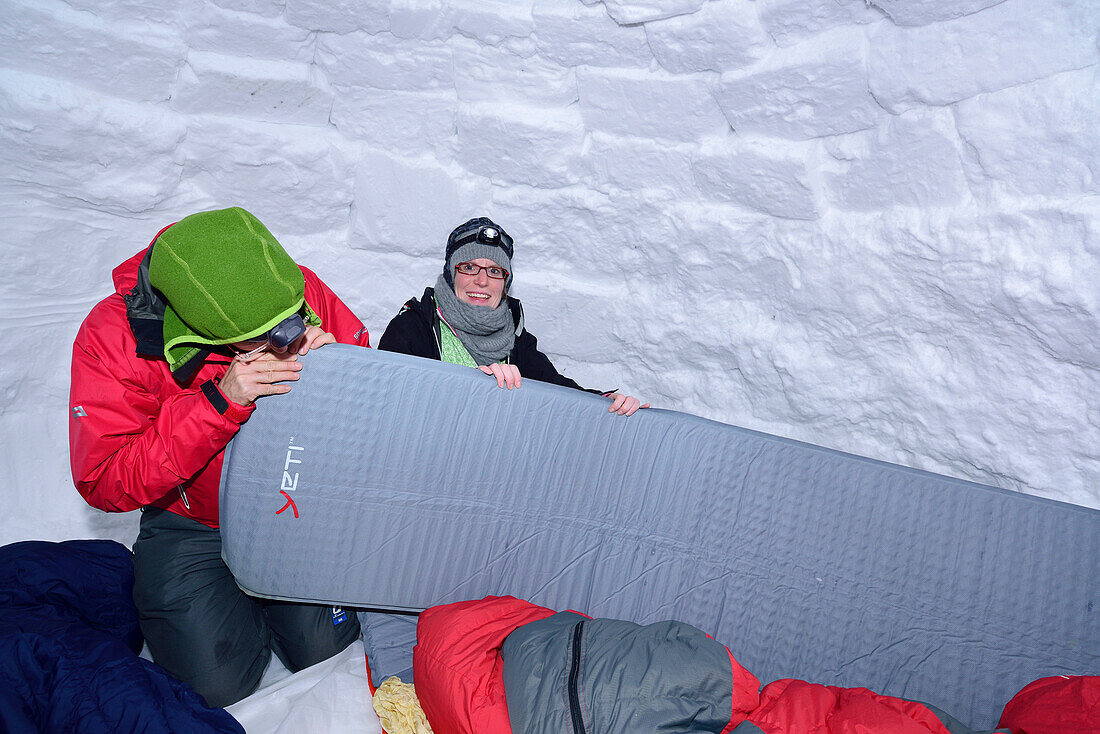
520 145
251 6
339 16
807 97
638 163
1008 44
296 178
237 33
399 121
763 183
553 227
1041 253
53 40
140 12
410 206
634 103
488 74
806 562
126 160
912 160
1038 139
492 21
488 21
385 62
235 86
791 21
719 37
425 20
627 12
924 12
574 35
559 236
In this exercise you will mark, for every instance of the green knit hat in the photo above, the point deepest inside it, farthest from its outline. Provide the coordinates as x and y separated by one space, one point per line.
226 279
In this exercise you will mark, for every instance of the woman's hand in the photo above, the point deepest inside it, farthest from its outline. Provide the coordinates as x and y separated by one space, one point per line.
507 374
624 404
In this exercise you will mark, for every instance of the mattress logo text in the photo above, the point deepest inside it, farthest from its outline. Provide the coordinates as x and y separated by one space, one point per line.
289 482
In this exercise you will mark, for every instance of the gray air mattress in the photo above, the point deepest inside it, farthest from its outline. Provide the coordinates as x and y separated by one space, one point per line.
388 481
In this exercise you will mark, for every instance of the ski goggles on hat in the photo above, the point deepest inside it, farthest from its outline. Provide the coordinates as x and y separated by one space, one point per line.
281 336
486 234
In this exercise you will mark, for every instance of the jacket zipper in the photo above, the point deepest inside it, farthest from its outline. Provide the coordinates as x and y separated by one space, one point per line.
574 681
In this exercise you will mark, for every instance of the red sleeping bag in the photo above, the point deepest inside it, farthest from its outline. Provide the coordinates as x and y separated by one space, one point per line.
460 685
1062 704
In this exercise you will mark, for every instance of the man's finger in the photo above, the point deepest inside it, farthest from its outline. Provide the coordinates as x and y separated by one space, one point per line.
274 388
277 374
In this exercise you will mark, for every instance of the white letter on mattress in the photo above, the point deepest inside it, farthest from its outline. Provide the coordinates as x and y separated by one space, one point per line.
291 483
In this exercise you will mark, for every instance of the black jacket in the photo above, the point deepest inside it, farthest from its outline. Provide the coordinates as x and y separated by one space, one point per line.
415 330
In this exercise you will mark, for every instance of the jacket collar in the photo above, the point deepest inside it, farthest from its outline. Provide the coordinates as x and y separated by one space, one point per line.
145 313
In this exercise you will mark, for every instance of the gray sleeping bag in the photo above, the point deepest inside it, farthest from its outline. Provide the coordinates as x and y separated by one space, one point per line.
569 673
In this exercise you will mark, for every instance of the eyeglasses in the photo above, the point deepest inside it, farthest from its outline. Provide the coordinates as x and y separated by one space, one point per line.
486 235
493 271
251 354
281 336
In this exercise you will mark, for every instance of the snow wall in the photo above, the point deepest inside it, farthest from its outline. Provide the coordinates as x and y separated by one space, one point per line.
871 226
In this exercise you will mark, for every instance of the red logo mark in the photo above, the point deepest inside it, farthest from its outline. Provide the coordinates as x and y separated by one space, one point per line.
289 503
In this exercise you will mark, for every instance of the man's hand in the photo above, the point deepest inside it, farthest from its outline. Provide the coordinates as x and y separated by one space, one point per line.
244 381
314 337
267 374
507 374
625 404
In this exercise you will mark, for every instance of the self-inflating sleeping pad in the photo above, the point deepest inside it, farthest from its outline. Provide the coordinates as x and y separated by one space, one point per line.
394 482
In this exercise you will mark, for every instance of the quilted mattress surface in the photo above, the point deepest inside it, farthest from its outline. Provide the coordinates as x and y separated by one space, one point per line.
388 481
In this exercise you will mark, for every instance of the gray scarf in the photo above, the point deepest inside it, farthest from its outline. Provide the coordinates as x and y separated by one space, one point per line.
487 333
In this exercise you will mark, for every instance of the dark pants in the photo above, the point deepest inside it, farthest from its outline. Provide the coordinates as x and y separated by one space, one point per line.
204 630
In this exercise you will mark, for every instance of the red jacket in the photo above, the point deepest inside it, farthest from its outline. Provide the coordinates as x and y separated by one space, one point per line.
136 436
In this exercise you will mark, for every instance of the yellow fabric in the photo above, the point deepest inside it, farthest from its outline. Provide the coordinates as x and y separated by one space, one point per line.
398 709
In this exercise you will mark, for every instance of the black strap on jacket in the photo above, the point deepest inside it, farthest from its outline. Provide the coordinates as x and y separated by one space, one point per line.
214 395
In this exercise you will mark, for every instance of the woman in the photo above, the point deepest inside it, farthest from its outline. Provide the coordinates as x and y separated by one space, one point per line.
469 318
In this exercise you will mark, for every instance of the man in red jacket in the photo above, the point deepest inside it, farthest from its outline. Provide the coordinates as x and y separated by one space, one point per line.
210 317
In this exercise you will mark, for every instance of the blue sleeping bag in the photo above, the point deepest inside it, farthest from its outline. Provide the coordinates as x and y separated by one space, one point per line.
69 640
